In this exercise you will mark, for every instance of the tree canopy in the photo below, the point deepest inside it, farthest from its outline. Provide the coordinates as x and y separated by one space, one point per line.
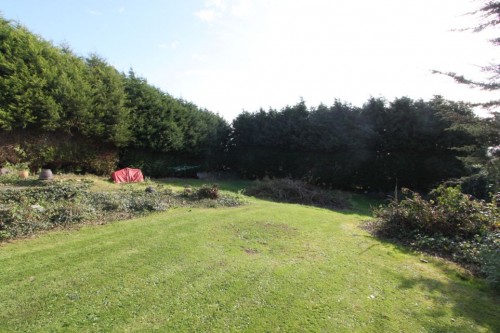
414 143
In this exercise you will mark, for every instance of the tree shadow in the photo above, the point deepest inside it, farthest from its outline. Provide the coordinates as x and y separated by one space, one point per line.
12 183
466 296
464 299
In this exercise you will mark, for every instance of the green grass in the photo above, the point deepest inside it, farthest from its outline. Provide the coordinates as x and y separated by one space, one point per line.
263 267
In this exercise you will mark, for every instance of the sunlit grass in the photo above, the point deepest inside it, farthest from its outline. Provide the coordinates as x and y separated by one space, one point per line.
263 267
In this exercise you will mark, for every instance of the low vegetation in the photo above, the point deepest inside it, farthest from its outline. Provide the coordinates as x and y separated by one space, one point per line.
208 192
449 224
298 191
29 206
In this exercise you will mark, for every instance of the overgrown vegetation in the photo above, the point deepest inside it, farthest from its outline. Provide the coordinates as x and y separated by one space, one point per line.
30 206
298 191
448 224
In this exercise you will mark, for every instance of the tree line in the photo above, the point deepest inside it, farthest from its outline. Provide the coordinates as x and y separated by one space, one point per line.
74 113
48 91
412 143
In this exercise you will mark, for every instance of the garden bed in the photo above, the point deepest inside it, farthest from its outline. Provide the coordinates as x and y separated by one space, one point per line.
31 206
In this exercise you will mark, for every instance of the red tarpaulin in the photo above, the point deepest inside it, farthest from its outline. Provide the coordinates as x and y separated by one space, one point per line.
127 175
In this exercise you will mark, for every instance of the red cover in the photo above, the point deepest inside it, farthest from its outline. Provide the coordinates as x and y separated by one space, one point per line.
127 175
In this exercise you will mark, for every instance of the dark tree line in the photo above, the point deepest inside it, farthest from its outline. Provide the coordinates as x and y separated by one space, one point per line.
411 143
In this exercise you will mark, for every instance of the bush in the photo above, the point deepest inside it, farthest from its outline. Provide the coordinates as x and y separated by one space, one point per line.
489 253
64 213
231 200
208 192
58 150
449 224
462 216
476 185
297 191
140 202
450 213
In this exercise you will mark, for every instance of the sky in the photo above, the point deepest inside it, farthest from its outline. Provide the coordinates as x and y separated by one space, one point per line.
230 56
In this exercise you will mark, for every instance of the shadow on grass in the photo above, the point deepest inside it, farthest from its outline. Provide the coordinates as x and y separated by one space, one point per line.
466 300
364 205
18 183
466 296
356 204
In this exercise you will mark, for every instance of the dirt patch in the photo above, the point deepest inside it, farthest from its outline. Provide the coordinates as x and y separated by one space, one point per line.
279 226
250 251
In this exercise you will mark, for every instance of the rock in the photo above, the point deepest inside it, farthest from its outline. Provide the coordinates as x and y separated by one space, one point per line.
38 208
46 174
5 171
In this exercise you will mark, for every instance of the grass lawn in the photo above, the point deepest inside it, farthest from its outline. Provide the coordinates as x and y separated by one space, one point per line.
262 267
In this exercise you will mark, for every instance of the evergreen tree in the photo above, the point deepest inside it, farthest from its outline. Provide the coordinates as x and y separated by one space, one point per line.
488 15
108 117
27 76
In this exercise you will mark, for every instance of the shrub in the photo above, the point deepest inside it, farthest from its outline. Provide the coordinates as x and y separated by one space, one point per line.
491 264
58 150
477 185
144 202
450 213
297 191
449 224
4 235
231 200
208 192
70 212
226 200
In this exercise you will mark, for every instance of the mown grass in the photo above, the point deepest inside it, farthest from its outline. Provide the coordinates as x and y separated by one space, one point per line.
263 267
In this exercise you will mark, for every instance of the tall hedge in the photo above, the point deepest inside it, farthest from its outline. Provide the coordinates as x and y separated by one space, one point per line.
405 142
48 93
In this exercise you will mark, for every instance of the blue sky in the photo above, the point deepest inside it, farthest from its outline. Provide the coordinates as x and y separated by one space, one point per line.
234 55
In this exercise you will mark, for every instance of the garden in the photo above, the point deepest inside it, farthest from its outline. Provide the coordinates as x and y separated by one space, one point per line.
167 255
